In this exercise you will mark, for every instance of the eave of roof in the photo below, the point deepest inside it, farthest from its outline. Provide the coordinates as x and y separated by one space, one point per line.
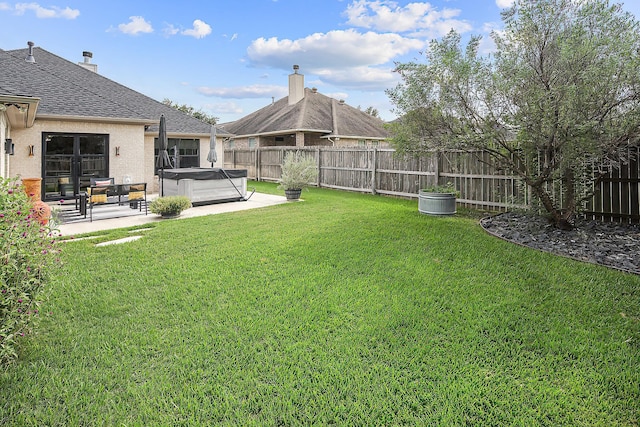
73 118
283 132
380 138
20 110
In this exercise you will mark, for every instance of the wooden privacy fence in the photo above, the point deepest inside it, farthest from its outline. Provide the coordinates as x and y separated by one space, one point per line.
381 171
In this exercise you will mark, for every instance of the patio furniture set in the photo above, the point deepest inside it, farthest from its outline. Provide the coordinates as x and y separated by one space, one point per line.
104 192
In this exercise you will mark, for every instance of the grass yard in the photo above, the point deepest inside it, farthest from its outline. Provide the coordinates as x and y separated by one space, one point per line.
344 309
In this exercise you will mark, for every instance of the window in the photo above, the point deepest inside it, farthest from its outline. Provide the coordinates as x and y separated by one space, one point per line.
184 153
362 143
252 143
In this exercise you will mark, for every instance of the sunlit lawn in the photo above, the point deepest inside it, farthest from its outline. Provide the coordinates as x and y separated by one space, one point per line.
342 309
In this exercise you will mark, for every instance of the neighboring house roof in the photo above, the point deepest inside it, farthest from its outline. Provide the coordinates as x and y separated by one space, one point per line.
67 89
313 113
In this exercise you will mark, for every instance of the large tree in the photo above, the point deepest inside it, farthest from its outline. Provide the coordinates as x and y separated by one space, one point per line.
558 100
198 114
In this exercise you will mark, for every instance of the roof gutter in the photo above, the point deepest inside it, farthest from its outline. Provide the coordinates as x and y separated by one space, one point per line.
20 110
282 132
329 137
179 134
97 119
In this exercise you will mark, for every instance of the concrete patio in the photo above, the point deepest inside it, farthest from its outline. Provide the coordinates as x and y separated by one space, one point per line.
122 216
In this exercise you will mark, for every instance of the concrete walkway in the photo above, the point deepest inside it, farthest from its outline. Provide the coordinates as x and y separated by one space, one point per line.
258 200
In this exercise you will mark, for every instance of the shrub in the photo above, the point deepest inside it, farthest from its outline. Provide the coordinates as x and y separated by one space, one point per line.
169 205
26 259
448 189
298 171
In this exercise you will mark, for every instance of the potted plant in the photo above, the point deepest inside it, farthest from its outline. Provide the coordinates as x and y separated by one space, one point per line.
41 211
169 206
298 171
438 200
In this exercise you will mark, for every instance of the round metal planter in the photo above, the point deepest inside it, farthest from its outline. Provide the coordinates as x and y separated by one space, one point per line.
436 203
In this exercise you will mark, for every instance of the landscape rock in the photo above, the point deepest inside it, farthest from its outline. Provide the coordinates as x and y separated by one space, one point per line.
614 245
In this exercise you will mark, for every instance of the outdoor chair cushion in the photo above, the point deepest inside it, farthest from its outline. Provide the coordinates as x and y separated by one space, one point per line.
98 195
136 192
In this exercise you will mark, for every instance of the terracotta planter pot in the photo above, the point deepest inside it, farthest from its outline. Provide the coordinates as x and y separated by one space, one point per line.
41 210
32 186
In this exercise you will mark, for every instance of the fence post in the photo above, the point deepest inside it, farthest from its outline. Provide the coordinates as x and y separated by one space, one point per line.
437 171
257 164
319 168
374 167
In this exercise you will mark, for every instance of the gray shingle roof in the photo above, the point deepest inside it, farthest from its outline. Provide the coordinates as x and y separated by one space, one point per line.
67 89
313 113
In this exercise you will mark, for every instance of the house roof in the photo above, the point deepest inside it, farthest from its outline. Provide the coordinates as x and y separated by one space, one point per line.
67 89
313 113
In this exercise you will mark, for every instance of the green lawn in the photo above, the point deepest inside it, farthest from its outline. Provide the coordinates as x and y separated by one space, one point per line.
343 309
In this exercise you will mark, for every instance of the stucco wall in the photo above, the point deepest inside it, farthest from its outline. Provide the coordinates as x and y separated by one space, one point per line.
4 134
132 161
204 152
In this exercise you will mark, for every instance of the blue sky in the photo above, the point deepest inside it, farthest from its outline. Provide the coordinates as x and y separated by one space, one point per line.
229 58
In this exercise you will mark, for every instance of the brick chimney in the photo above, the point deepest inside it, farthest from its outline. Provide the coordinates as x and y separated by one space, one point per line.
296 86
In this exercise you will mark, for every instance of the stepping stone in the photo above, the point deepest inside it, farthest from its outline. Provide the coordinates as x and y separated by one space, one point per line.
116 242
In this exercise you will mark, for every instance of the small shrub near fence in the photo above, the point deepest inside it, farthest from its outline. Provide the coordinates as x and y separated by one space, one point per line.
381 171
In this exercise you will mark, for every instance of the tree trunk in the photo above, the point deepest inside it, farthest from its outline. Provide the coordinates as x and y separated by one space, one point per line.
568 180
556 214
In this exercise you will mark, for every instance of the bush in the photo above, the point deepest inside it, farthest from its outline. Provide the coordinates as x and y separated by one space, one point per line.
298 171
447 189
26 259
169 205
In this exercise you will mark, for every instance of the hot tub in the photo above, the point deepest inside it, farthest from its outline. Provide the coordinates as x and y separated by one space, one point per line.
205 185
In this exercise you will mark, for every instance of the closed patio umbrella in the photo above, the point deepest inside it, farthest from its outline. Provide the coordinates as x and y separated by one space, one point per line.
212 156
163 154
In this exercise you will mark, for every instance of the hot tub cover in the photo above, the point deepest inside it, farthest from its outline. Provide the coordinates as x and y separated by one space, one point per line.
202 173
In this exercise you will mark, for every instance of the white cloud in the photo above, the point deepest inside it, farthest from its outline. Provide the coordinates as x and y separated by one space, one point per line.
136 25
337 95
224 108
333 49
487 44
359 78
242 92
43 12
383 15
345 58
170 30
200 29
504 3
